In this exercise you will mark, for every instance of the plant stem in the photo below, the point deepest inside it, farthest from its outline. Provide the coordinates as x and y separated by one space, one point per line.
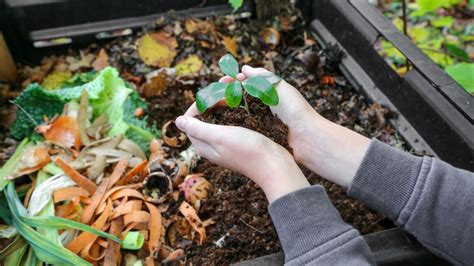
246 105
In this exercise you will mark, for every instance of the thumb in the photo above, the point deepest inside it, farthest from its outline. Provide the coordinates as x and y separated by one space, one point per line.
196 128
249 71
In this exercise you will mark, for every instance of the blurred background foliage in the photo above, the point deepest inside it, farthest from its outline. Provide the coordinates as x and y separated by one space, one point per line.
442 29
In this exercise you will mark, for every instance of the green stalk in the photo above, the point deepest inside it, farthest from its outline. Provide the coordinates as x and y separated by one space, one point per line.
145 134
45 250
11 164
52 169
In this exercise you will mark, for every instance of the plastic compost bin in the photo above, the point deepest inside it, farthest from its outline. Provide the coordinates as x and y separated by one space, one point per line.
435 115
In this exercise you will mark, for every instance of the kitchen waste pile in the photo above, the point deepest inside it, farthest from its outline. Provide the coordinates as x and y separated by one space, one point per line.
95 180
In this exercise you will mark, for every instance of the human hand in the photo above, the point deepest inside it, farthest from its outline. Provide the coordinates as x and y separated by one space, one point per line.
330 150
247 152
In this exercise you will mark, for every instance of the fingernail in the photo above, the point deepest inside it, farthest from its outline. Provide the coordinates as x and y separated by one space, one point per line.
181 123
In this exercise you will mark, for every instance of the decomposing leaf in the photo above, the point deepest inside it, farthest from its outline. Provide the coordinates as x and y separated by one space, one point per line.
270 37
56 79
157 49
63 131
230 44
101 61
197 25
156 85
85 61
189 65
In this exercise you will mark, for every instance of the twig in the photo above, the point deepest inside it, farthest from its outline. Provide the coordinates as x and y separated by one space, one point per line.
405 28
255 229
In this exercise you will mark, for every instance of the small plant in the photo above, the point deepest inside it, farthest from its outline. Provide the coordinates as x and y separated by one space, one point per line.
261 87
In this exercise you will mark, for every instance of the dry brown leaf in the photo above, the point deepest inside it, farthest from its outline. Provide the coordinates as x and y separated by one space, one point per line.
230 44
157 49
85 60
101 61
270 37
191 25
156 85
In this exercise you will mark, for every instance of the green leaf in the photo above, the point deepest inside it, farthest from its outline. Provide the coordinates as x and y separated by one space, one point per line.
260 88
45 250
456 50
236 4
432 5
34 103
272 78
61 223
10 165
210 95
233 94
229 65
133 240
442 22
464 74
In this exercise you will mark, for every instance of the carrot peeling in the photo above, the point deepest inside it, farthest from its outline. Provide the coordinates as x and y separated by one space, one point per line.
75 176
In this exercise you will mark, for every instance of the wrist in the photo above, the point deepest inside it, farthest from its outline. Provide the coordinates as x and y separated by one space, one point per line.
282 175
332 151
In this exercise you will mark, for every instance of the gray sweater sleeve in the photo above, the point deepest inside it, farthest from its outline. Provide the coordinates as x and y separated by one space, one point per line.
427 197
312 232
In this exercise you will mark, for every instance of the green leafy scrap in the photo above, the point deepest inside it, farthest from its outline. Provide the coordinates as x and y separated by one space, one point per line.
33 105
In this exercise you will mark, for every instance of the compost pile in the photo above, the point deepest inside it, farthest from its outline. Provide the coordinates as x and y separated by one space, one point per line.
94 179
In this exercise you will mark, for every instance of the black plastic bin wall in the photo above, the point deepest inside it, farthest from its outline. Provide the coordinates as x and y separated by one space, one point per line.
435 114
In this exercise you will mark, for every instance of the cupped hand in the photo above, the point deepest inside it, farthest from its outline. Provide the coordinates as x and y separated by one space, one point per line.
247 152
330 150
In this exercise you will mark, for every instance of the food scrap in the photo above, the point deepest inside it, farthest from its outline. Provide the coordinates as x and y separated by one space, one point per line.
102 195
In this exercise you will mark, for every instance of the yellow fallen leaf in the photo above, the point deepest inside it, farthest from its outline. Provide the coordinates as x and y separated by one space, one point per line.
157 49
230 44
190 25
85 61
190 65
56 79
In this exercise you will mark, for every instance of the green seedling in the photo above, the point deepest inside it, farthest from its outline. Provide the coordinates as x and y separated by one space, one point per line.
261 87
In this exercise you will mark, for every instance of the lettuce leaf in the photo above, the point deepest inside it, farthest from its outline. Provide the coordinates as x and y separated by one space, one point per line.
108 93
33 105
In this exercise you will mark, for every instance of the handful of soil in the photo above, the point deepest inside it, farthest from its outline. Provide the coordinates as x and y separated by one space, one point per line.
259 119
